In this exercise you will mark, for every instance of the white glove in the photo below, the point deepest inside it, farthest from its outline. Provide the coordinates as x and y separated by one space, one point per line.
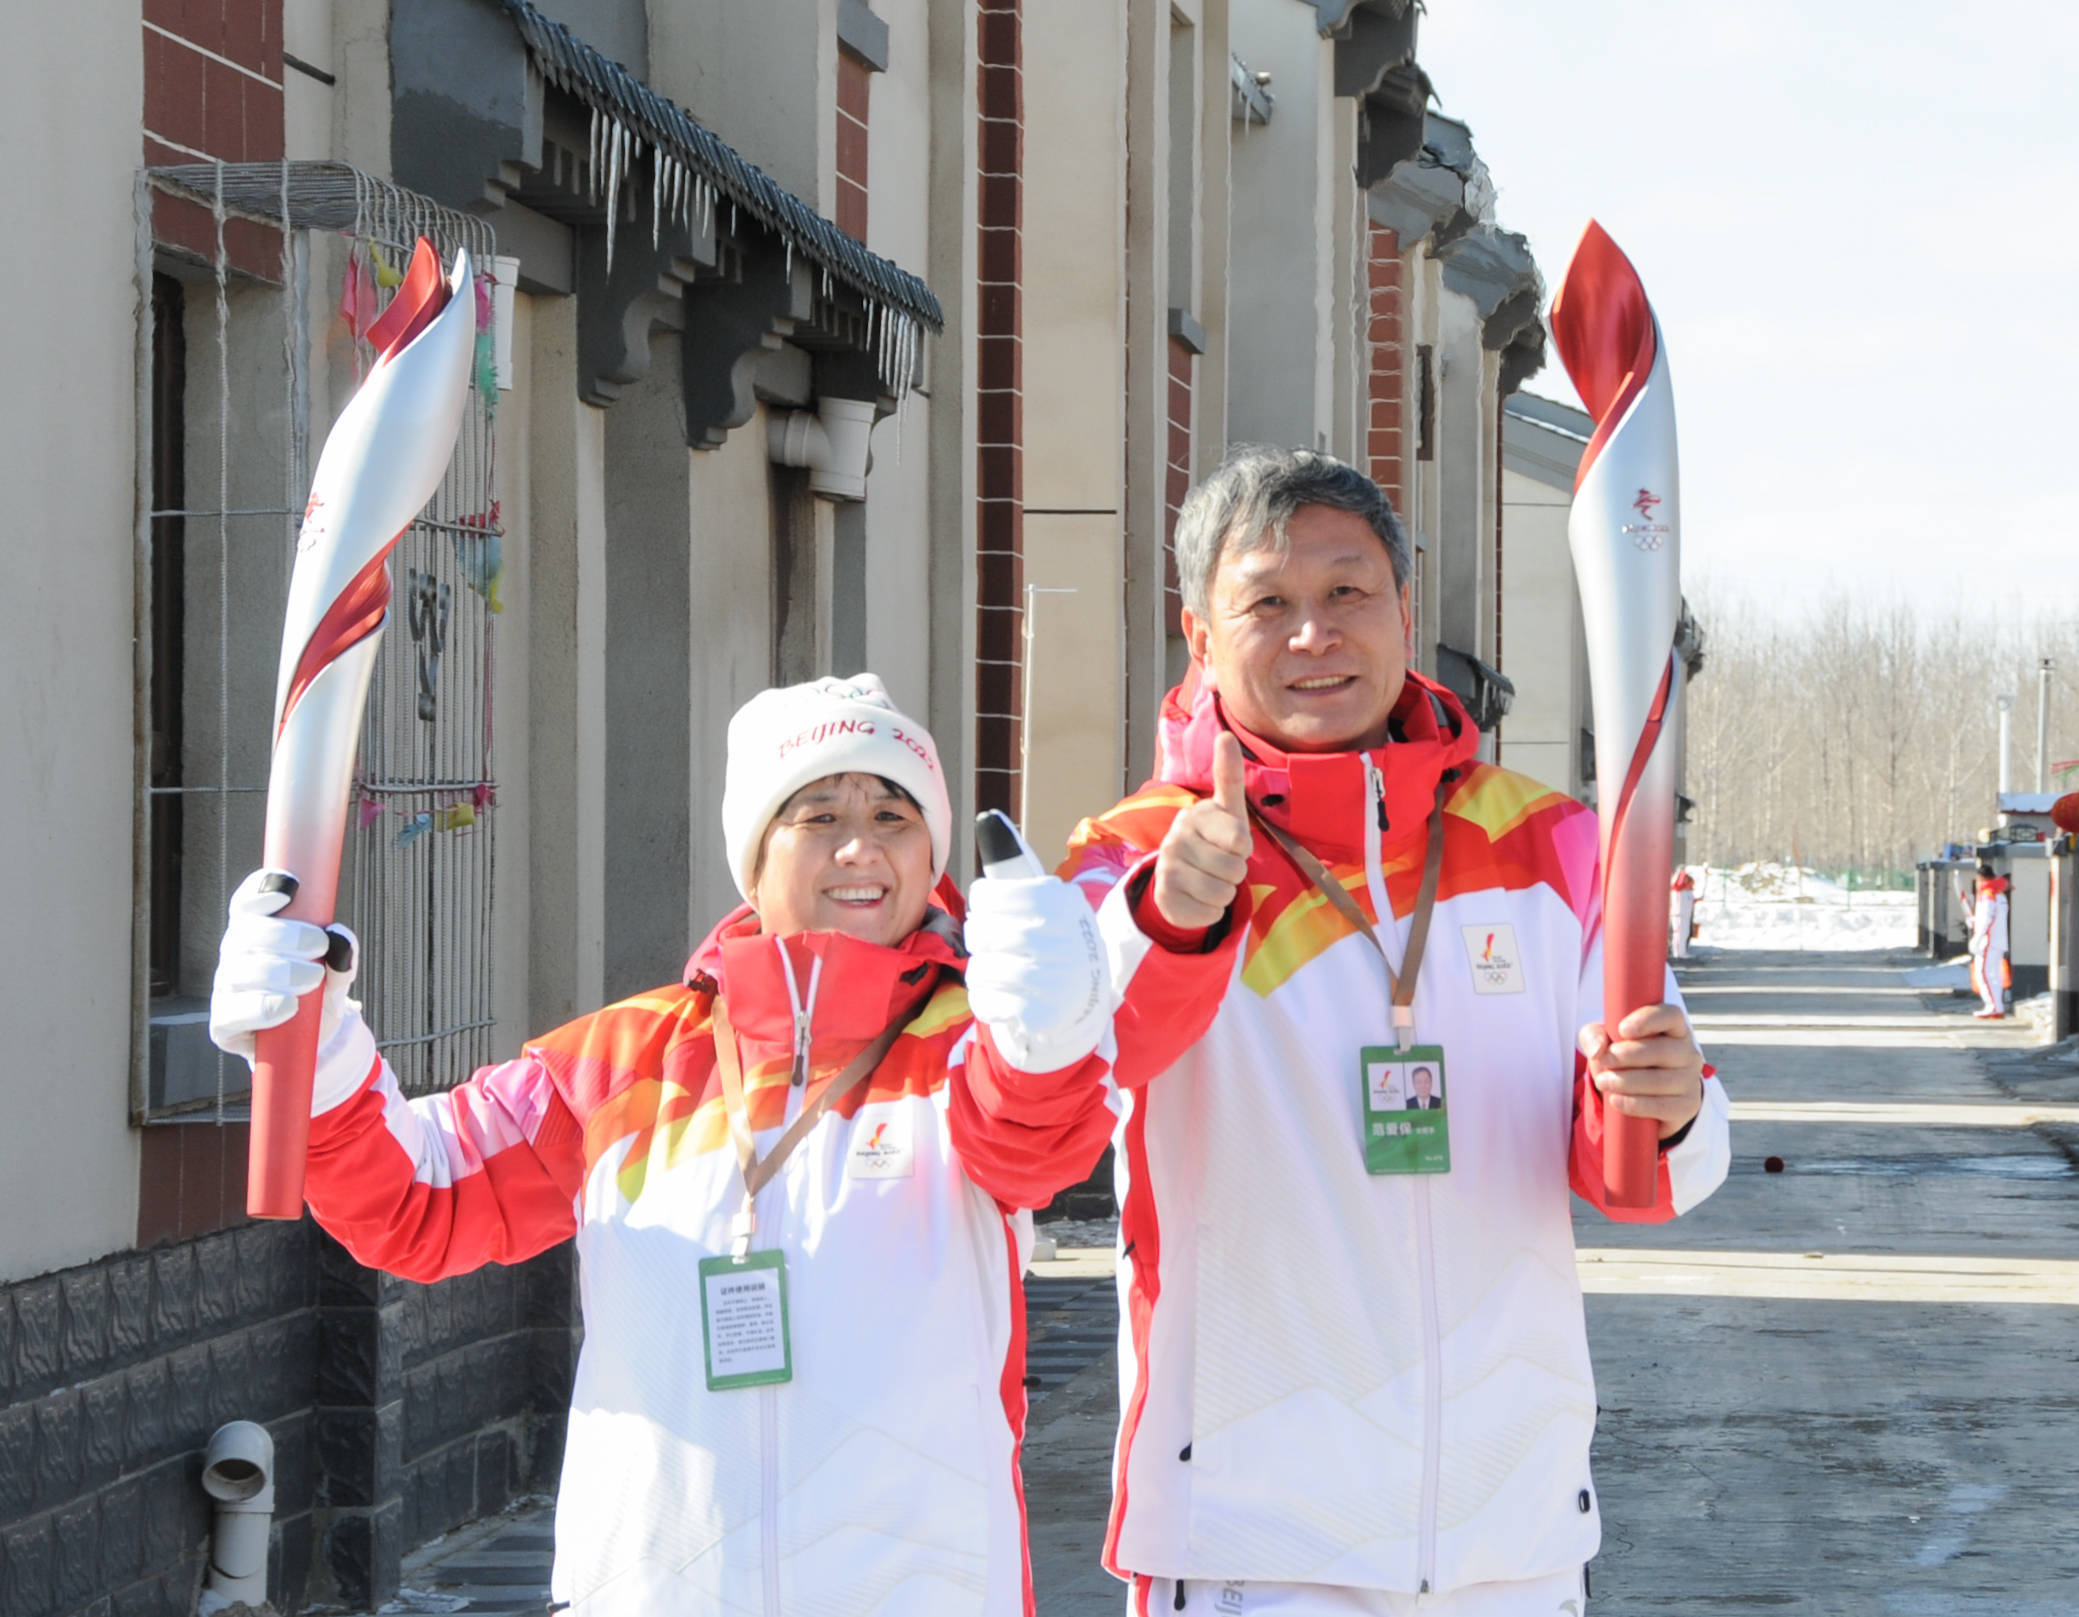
267 963
1037 974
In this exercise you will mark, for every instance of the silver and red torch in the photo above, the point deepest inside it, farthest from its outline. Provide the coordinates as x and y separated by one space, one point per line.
1626 540
381 463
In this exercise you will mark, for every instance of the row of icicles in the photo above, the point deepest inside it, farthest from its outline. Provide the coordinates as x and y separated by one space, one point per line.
680 194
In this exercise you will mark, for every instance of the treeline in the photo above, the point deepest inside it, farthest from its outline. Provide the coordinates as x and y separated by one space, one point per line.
1865 735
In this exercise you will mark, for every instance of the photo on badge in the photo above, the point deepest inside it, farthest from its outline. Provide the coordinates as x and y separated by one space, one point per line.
1424 1089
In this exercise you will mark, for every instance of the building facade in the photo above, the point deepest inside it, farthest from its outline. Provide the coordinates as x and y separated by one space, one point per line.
818 335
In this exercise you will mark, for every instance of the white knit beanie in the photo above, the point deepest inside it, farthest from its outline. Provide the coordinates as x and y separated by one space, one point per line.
782 739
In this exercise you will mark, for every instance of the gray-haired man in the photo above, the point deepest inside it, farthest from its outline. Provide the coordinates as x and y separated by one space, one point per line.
1354 1363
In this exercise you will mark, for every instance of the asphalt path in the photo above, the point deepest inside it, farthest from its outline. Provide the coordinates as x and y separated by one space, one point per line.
1848 1386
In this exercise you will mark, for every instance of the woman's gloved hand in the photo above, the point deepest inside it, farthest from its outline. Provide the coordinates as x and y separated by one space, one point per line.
266 963
1037 973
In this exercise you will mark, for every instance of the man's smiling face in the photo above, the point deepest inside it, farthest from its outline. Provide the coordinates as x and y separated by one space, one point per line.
1307 646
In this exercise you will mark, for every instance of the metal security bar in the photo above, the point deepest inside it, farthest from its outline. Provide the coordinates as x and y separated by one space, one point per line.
214 569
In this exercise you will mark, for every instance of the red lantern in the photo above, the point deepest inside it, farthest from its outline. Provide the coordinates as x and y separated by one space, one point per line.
2064 813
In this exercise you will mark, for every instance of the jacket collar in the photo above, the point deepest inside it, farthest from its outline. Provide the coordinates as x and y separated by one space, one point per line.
1322 799
862 986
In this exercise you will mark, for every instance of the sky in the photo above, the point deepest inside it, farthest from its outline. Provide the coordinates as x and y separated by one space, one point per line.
1858 221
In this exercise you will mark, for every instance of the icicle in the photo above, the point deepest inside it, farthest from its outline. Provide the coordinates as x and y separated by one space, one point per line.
592 165
616 145
789 274
656 196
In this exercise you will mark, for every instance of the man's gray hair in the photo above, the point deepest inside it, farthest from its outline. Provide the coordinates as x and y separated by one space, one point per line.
1252 496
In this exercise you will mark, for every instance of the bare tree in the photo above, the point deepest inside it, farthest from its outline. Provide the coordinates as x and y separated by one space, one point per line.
1863 733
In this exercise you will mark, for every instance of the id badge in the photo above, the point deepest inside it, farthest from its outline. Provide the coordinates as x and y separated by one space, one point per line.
1407 1122
743 1321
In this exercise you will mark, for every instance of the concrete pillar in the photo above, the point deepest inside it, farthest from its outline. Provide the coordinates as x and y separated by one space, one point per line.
729 578
565 649
1074 388
648 677
1283 229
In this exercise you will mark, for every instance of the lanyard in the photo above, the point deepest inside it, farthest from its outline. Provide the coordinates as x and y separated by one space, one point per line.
757 1170
1402 987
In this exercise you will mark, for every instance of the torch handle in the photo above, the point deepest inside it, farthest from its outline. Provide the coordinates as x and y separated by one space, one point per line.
1635 956
285 1059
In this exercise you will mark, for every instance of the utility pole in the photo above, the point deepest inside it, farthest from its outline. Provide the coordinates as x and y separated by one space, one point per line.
2006 777
2043 725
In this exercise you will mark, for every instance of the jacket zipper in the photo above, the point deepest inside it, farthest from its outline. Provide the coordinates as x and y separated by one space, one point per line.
803 1007
1425 1243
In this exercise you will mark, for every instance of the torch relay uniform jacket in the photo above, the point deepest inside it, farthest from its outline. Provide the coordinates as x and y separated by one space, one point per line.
883 1478
1329 1377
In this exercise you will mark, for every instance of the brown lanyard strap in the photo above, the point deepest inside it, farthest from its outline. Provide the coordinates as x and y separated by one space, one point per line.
1402 987
758 1170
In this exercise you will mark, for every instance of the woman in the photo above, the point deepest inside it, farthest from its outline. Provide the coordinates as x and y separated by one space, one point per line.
810 1111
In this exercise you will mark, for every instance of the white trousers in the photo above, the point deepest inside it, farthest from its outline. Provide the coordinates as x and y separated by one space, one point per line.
1562 1595
1684 914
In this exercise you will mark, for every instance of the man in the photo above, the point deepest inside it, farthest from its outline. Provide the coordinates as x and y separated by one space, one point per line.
1989 973
1424 1080
1354 1369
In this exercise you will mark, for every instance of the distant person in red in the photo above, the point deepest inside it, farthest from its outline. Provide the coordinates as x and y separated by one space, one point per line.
1684 916
1990 977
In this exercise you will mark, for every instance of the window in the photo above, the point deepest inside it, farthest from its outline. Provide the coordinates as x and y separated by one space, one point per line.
226 462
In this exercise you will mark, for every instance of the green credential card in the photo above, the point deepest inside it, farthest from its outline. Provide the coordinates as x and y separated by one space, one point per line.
743 1321
1407 1123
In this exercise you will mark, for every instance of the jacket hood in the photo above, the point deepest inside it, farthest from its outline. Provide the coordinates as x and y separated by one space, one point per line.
1320 798
861 987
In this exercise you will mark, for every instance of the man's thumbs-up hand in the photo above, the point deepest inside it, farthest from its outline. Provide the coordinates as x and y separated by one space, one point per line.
1206 854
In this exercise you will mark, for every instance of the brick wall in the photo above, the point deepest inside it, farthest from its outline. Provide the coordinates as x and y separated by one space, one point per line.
398 1412
1387 450
854 96
999 408
1387 393
213 89
114 1375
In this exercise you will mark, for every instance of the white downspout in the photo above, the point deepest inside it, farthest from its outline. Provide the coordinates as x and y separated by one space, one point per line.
238 1473
831 442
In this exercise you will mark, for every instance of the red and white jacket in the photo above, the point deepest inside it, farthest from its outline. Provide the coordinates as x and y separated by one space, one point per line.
1329 1377
883 1479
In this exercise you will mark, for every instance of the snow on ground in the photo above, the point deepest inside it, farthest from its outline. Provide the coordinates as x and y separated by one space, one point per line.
1774 906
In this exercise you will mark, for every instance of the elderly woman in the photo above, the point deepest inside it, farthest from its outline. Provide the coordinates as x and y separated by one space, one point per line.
802 1379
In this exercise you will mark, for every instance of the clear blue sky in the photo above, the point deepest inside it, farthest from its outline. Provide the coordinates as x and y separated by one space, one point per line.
1859 223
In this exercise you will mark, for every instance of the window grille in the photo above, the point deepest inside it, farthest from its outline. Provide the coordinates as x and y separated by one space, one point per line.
225 452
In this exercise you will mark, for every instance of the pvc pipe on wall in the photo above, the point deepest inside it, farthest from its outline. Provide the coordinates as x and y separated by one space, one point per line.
238 1473
832 442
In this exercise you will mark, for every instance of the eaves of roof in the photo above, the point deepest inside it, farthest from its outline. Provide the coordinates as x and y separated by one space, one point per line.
619 96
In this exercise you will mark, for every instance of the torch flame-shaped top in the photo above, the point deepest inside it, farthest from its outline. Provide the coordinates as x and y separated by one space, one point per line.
1604 329
382 461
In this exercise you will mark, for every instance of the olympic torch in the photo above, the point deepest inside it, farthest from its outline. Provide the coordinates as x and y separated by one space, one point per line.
1626 540
381 463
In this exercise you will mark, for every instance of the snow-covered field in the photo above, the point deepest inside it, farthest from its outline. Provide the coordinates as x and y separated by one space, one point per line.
1773 906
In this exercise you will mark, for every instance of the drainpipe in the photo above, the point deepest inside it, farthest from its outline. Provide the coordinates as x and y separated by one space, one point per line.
238 1473
831 441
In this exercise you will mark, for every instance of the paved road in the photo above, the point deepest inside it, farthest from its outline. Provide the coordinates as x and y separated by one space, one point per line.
1851 1387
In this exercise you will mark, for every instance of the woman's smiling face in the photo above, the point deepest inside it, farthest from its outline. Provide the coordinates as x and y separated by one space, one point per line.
847 853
